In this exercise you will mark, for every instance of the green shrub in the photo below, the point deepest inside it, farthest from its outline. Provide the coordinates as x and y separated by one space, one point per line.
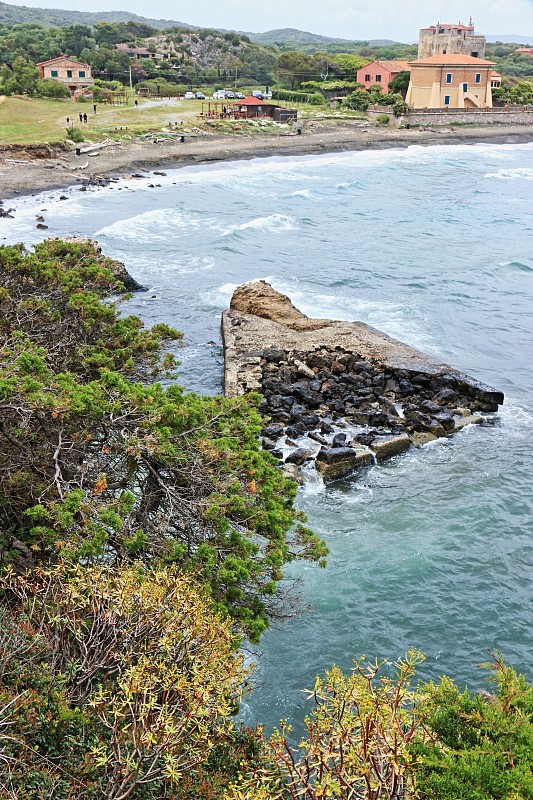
313 98
382 119
52 88
74 134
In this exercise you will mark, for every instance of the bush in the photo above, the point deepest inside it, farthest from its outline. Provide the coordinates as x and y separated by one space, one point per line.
313 98
382 119
52 88
358 100
75 134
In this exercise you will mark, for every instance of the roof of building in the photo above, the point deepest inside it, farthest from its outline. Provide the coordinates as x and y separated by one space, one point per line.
452 60
448 27
528 50
63 58
252 101
124 47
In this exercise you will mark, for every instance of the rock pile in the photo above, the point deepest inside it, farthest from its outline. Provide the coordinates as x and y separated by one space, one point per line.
340 406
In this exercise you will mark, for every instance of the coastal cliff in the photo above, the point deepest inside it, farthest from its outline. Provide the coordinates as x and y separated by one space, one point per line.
340 394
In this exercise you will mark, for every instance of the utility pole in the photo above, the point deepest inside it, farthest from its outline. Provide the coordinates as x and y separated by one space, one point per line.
131 80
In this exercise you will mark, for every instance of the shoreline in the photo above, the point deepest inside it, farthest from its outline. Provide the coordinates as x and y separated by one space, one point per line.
21 177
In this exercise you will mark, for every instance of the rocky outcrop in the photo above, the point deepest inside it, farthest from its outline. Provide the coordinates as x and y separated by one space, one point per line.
119 270
340 394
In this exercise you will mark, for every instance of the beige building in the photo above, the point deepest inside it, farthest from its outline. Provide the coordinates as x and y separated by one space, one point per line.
444 40
75 75
450 81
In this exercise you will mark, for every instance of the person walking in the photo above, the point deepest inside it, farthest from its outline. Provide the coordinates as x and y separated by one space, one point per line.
85 118
81 117
94 108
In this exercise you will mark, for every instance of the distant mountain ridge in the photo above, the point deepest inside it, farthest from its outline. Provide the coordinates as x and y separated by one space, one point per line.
305 38
61 18
49 17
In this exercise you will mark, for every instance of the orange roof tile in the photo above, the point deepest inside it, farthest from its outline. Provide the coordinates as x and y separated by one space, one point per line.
452 60
395 66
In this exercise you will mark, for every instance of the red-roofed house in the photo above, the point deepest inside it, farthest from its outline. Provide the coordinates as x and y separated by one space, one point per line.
64 69
450 81
528 51
441 39
380 72
252 108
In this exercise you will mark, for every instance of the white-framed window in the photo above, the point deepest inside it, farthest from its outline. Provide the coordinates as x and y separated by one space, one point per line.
449 77
465 87
478 77
446 99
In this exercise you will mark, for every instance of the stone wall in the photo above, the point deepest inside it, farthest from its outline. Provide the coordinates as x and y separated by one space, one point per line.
489 117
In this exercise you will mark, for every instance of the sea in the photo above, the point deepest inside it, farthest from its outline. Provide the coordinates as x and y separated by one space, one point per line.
434 246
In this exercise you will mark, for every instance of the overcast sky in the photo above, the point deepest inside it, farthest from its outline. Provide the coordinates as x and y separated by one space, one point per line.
347 19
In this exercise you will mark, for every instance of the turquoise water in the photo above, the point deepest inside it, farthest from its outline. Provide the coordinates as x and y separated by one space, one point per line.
434 246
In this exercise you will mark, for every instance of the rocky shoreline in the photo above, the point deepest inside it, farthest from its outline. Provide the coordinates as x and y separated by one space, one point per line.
339 396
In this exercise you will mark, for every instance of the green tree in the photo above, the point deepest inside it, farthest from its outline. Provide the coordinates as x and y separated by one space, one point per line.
294 67
400 83
103 463
22 78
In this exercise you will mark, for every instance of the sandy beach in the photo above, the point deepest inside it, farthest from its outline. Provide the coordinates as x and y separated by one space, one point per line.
22 173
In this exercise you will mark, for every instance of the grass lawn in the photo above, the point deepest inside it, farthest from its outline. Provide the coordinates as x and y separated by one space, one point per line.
27 120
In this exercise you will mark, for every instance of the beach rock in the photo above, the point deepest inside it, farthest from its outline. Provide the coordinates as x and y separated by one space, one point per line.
338 462
462 422
292 472
420 438
387 446
298 456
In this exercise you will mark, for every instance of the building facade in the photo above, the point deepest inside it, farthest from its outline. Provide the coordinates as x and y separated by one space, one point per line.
450 81
72 73
444 40
381 73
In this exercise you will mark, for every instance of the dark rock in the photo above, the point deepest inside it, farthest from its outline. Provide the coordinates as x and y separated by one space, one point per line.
268 444
275 356
41 226
445 396
331 455
406 387
310 421
339 440
299 456
273 431
294 431
446 420
318 438
430 407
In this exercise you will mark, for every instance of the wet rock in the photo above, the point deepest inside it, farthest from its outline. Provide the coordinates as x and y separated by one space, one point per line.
318 438
461 422
337 462
292 472
298 456
339 440
42 226
420 438
387 446
445 396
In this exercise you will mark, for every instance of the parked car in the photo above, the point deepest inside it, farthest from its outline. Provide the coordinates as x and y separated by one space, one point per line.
258 95
200 96
239 96
230 95
219 95
188 96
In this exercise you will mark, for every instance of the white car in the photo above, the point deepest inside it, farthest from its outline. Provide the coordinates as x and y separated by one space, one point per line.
188 96
220 95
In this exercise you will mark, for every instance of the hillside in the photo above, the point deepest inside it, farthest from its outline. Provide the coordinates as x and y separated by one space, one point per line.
304 40
58 17
512 38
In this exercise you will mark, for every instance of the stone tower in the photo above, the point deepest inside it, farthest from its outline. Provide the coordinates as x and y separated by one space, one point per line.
443 39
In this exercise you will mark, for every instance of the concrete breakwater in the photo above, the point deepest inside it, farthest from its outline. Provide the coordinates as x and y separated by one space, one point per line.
341 395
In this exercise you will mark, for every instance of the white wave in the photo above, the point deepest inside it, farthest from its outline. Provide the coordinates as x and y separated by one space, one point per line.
157 225
518 173
309 193
274 223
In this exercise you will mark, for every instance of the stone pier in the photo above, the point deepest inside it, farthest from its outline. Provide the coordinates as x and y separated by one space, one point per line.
341 395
